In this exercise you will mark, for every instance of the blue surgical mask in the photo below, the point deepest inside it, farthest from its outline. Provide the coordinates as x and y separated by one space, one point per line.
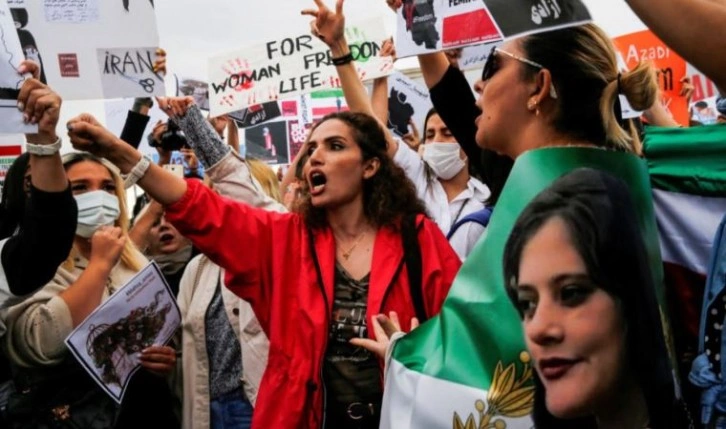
95 209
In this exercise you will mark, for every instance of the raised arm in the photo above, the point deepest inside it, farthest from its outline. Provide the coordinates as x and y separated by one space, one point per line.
31 256
329 26
689 26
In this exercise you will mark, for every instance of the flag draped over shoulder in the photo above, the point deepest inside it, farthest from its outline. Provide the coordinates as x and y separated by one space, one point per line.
468 368
687 167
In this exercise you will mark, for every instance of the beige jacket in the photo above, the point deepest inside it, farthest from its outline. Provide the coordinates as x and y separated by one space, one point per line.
196 291
37 327
232 179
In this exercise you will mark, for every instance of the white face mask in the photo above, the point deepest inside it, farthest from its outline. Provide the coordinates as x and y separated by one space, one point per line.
444 159
95 209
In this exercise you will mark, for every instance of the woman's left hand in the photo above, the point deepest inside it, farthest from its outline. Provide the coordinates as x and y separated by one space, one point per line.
160 360
384 328
175 107
329 26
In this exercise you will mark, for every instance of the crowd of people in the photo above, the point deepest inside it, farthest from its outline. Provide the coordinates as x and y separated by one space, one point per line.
294 292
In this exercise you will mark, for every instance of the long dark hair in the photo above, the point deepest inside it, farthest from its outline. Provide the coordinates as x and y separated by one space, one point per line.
600 216
388 195
14 198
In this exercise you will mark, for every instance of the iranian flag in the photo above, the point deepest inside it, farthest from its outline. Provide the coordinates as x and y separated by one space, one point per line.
328 101
468 368
687 167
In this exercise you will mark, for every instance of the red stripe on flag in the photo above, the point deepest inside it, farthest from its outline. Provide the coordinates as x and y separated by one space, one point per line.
685 290
10 150
322 111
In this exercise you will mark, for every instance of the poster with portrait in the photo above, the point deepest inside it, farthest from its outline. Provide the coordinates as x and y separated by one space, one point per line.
91 49
11 55
140 314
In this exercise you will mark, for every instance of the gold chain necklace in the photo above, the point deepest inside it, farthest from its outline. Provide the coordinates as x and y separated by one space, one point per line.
347 254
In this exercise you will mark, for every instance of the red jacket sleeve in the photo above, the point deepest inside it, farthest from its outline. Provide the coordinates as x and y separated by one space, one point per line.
239 238
440 264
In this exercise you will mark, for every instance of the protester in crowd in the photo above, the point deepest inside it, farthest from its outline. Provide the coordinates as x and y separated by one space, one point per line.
688 27
576 269
441 178
159 241
266 177
347 237
50 384
37 211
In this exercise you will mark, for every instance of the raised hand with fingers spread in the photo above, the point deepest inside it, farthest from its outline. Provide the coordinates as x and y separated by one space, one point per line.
329 26
385 328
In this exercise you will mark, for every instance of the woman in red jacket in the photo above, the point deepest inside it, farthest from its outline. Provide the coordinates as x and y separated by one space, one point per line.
314 278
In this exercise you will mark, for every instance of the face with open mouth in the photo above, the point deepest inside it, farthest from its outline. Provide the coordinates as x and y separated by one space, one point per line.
335 169
573 329
164 239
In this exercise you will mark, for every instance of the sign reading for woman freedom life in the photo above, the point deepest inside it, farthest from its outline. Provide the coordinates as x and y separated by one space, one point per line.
426 26
290 66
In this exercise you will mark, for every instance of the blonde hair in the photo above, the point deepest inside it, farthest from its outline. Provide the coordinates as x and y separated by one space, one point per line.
584 67
130 256
264 174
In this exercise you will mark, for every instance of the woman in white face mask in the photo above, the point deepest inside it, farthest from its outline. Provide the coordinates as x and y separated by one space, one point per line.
102 260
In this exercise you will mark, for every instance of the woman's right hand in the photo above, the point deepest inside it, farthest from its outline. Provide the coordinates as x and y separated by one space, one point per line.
107 243
328 26
87 134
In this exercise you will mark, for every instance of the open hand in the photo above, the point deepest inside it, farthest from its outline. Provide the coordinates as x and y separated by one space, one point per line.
329 26
384 328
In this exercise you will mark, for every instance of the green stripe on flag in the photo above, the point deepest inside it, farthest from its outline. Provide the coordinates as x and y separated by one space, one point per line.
478 327
328 93
687 160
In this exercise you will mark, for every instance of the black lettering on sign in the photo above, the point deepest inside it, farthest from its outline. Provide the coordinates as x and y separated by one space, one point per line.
244 79
287 47
301 83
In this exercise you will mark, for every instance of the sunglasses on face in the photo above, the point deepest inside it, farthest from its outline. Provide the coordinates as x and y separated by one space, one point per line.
490 67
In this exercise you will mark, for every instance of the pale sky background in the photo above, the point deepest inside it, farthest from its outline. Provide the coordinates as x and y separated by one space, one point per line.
192 30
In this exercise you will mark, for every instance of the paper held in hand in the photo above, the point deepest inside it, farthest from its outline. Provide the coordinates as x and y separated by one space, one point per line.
289 66
140 314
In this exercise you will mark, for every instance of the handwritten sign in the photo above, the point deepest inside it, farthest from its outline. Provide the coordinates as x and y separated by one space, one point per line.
426 26
11 54
129 72
74 40
289 66
71 10
645 46
140 314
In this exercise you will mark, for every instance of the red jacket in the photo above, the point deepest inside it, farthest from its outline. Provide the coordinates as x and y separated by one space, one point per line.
268 262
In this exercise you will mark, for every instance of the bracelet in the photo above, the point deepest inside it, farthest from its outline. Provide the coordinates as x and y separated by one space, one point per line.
137 172
44 149
345 59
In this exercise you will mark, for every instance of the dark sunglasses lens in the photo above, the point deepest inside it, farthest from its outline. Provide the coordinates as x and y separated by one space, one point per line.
486 74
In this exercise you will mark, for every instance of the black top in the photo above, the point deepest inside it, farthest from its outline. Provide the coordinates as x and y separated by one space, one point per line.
31 257
455 103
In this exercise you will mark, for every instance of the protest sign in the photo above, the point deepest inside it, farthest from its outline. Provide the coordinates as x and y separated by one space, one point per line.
407 101
91 49
11 55
140 314
426 26
288 66
645 46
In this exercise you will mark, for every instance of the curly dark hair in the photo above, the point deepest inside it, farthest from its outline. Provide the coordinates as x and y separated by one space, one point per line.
388 196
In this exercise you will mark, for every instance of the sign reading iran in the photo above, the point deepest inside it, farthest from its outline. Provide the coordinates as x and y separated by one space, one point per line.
645 46
290 66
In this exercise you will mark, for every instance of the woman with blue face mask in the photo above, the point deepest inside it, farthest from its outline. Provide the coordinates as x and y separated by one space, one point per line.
101 260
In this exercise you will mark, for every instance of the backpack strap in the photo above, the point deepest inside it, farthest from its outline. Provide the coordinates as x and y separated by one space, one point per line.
412 258
480 216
